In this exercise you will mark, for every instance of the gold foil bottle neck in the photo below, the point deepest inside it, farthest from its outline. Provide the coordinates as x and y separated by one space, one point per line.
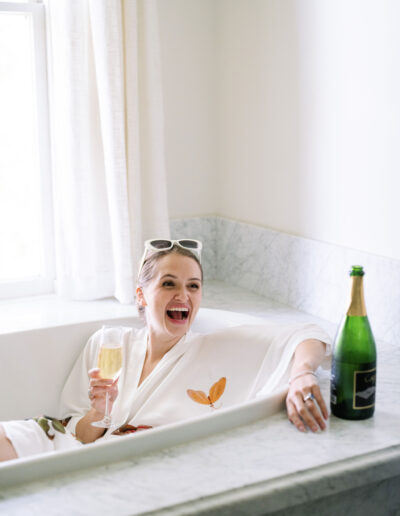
357 302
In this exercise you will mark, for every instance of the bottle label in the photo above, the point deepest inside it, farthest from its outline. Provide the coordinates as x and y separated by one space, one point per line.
334 382
364 389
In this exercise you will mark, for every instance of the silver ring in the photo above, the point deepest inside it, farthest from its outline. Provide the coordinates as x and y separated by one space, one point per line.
90 394
310 396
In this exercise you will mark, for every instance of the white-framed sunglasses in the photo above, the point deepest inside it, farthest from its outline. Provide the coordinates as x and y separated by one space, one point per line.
162 244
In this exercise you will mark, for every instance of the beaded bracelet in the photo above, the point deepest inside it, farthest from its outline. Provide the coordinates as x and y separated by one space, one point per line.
303 373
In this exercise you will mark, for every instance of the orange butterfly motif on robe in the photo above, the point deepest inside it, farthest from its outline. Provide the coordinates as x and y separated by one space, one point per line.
216 391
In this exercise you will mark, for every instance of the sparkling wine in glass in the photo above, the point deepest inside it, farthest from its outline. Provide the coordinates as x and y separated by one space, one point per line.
109 362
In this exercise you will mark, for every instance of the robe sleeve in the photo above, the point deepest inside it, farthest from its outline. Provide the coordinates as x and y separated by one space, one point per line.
275 368
75 401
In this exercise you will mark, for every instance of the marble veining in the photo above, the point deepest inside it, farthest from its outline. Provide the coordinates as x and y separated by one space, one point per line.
205 230
304 274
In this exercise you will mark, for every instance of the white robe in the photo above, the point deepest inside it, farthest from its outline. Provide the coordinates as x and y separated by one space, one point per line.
253 360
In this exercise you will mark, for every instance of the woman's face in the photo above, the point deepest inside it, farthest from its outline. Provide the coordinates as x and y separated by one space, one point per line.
172 298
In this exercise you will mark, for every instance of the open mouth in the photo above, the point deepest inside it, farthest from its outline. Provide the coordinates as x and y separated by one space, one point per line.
178 314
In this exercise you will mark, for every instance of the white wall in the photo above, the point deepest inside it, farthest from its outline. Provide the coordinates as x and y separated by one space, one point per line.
310 118
305 95
188 45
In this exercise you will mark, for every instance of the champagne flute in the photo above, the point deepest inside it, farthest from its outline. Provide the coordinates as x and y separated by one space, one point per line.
109 361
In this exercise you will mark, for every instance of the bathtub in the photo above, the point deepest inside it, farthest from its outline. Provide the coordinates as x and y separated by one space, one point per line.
33 370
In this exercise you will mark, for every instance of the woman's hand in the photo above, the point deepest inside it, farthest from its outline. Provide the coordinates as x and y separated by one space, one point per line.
98 390
305 404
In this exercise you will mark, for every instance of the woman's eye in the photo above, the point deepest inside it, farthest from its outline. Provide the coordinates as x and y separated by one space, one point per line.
194 286
168 283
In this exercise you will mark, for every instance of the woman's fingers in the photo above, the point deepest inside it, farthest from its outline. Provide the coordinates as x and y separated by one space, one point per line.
98 389
305 411
320 400
316 415
294 417
100 382
310 411
94 372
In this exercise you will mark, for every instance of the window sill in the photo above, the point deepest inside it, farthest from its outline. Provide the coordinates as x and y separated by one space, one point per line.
29 313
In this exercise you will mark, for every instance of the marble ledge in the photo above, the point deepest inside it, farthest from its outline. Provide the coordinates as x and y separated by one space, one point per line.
300 493
263 468
226 296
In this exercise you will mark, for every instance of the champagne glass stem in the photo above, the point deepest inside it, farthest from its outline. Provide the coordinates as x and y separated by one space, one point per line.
106 413
107 418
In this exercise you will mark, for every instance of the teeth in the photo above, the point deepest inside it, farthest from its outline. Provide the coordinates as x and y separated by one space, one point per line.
178 309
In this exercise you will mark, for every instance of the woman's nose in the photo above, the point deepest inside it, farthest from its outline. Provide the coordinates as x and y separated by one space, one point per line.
181 294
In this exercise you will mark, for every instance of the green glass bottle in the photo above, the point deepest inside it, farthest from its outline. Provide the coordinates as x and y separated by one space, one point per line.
353 378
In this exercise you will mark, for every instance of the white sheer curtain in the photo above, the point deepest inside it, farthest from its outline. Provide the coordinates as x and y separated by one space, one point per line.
108 150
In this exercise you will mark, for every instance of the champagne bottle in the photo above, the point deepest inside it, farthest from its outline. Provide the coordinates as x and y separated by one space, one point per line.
353 378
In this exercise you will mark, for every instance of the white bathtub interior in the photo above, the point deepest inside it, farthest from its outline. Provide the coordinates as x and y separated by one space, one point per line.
33 370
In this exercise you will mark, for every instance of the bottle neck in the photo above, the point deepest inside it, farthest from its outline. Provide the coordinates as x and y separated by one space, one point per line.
357 302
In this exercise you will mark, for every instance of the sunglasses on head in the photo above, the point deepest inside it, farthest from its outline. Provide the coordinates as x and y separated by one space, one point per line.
157 245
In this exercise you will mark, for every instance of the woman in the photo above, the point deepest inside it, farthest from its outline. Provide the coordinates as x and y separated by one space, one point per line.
170 374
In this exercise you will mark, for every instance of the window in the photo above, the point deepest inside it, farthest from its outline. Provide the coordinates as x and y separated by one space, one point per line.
26 219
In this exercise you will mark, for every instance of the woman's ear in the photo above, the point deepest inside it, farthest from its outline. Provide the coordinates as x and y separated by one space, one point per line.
140 297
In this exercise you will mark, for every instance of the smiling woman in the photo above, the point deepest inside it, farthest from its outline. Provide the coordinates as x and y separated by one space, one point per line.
170 374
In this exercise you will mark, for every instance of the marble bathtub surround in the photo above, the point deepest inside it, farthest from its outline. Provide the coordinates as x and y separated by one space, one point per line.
300 273
263 467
